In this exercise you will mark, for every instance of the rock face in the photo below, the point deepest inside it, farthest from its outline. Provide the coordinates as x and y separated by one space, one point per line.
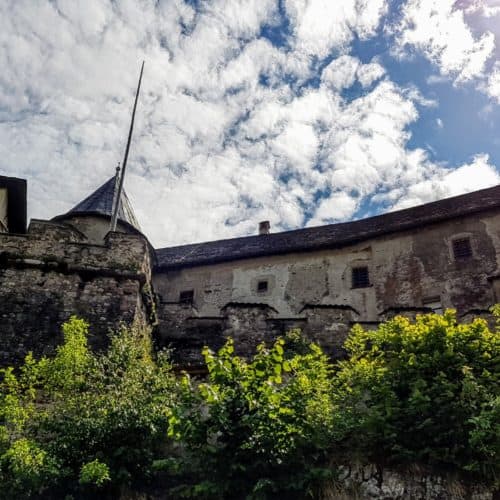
51 273
371 482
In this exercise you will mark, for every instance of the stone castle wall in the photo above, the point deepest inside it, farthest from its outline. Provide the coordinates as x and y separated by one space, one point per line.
51 273
410 272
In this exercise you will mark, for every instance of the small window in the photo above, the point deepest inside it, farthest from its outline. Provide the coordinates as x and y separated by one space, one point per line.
186 297
360 277
434 303
462 248
262 286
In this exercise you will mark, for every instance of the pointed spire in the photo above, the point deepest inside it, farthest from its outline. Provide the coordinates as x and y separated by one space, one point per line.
101 202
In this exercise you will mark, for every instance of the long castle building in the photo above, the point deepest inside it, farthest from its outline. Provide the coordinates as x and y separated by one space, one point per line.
444 254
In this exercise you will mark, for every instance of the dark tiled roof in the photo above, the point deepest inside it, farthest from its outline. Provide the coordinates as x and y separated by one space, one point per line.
330 236
101 202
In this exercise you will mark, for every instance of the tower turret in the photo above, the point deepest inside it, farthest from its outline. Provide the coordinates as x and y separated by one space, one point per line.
92 215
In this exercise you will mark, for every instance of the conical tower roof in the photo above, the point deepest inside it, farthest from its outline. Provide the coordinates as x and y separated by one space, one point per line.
101 202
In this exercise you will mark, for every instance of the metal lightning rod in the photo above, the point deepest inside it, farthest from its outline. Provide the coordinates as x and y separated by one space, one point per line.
118 194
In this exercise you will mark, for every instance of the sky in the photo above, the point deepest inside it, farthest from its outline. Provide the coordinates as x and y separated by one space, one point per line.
300 112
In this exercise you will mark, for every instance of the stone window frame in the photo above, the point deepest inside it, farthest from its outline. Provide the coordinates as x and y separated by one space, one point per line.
254 284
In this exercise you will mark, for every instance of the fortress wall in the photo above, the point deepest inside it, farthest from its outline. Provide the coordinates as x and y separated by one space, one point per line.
53 272
50 274
409 272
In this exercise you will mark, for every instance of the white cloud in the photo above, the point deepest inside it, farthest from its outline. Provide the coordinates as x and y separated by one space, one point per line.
338 206
414 94
444 183
492 84
485 8
225 134
438 29
322 25
285 145
369 73
343 71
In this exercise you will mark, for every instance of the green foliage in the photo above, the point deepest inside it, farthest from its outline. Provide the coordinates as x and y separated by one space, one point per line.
95 473
119 415
426 391
102 418
68 370
256 428
96 424
25 468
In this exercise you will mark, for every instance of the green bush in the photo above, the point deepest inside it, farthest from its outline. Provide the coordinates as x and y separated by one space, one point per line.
256 428
85 412
95 473
424 391
98 424
26 468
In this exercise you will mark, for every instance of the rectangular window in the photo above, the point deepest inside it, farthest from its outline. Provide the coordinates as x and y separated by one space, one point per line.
262 286
360 277
462 248
434 303
186 297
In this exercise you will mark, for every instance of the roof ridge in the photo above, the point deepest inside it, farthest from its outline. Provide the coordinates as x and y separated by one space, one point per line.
329 235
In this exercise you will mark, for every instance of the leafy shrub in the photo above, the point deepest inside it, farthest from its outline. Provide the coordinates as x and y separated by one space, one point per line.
95 424
426 391
256 428
102 418
25 468
95 473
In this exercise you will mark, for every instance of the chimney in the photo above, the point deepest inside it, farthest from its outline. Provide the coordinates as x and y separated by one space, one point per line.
264 227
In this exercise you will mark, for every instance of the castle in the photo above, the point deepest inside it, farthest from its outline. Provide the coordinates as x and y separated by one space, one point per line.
319 279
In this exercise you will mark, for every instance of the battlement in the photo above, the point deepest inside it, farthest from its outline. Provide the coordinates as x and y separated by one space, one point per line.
52 272
49 245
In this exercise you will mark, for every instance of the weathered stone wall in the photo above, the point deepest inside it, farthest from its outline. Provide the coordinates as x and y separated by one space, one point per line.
51 273
313 290
417 483
95 228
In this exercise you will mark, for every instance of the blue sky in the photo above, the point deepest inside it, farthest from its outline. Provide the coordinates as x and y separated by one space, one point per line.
302 112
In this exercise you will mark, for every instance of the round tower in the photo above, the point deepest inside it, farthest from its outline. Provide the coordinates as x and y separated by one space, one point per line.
92 216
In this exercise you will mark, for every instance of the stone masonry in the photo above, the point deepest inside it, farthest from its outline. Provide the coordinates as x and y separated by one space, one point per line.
409 272
322 280
52 272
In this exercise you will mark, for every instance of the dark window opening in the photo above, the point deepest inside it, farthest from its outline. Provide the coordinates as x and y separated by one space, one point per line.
360 277
186 297
462 248
434 303
262 286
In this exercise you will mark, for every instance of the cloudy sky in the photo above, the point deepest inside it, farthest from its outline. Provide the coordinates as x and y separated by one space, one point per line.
302 112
